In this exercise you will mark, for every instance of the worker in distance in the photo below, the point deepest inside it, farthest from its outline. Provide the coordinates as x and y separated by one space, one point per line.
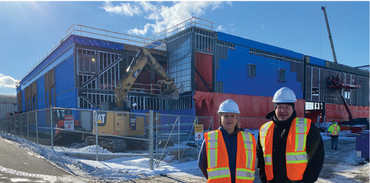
228 154
289 149
333 131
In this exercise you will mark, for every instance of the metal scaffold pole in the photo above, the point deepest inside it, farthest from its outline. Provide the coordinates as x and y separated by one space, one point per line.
151 139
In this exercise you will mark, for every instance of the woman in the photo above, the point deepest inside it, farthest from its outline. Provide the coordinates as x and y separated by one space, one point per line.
228 154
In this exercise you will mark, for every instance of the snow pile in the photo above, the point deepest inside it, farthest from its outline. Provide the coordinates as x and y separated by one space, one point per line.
87 149
119 169
128 168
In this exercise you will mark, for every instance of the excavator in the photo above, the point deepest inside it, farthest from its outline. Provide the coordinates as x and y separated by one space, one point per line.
121 124
144 58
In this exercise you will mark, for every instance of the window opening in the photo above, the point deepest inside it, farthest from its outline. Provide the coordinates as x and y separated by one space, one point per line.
251 70
282 75
315 91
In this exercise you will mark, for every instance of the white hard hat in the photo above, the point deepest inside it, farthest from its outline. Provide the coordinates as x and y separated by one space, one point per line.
228 106
284 95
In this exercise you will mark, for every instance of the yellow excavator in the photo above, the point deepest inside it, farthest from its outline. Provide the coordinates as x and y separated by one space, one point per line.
129 125
144 58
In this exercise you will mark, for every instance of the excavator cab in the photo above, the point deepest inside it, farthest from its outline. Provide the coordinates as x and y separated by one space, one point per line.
63 136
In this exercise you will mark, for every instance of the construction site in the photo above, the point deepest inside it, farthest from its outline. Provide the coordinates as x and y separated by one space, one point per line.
149 98
85 71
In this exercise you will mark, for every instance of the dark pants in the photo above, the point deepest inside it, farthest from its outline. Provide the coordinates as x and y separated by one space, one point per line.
334 142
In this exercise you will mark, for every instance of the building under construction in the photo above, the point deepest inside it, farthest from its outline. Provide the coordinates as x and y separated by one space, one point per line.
208 67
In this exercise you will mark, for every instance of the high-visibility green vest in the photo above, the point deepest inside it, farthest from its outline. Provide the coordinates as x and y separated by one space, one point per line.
334 130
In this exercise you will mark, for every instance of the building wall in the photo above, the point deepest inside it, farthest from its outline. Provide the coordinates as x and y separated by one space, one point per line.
65 84
257 45
8 104
61 52
179 59
233 71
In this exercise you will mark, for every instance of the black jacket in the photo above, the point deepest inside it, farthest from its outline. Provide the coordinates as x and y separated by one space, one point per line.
314 148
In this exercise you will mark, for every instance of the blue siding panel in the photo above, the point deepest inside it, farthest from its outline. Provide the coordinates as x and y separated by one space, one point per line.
41 92
41 119
97 43
257 45
64 84
234 74
66 99
317 61
48 59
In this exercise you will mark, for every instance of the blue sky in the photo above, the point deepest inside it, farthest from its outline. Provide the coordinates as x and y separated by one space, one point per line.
29 30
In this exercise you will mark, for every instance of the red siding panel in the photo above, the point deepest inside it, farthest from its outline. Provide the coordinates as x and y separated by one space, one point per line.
203 63
338 112
253 109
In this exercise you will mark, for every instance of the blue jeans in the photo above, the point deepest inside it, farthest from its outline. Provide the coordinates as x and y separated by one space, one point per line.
334 142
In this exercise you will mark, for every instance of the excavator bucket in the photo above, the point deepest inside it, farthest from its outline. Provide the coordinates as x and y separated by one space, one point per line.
169 94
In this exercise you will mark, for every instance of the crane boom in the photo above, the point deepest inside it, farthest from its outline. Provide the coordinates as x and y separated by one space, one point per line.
330 37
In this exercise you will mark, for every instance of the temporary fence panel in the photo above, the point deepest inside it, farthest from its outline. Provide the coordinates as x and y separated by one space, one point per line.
175 138
130 134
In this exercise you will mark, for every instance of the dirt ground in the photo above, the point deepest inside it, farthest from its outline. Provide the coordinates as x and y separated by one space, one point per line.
340 165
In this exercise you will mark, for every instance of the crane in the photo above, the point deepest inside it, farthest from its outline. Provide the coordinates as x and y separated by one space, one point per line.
330 37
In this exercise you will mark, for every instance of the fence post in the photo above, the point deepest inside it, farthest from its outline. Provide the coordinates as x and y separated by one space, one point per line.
20 125
51 127
96 135
37 129
28 128
151 139
197 122
178 131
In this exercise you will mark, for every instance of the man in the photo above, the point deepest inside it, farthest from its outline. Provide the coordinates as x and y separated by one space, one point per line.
289 149
334 133
228 154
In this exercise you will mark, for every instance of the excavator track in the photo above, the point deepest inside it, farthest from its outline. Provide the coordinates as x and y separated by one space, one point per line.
110 143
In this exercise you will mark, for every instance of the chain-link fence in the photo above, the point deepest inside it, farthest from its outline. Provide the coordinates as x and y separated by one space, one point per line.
175 138
163 139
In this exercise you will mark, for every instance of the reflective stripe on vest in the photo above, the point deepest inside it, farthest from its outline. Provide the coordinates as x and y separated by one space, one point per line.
335 130
244 174
248 146
267 129
212 155
263 132
213 148
218 173
301 134
267 158
247 173
296 157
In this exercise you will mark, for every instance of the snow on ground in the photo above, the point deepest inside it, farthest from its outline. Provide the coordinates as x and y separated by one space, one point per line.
128 168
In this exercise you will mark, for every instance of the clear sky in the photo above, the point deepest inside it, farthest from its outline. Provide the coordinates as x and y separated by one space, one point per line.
29 30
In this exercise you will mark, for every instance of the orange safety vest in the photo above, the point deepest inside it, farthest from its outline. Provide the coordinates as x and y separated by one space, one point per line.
296 155
218 162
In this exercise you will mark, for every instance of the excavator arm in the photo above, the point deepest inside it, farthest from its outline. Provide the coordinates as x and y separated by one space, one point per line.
144 58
